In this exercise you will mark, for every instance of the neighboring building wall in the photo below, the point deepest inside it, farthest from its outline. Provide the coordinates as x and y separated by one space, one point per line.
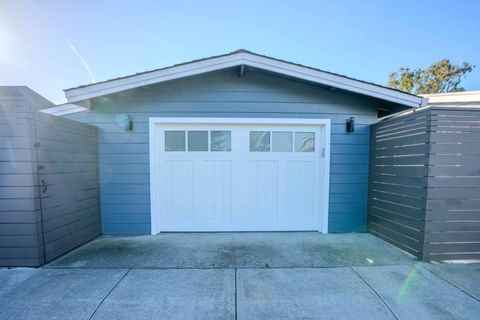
124 159
36 227
425 183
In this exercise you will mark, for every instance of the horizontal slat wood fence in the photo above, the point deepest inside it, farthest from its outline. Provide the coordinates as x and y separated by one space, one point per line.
49 185
70 201
424 185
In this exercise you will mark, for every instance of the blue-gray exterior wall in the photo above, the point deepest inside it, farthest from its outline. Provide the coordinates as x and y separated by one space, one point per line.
124 158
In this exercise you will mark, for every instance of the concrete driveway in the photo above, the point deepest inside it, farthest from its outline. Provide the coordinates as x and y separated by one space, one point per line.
241 276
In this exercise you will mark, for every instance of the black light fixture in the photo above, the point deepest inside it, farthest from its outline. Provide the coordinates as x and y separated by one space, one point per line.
128 123
350 125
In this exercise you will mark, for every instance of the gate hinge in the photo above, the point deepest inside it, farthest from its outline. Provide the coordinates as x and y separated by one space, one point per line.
323 152
36 144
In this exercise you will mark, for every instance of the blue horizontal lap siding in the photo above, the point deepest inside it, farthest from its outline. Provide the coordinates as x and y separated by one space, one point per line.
124 160
349 178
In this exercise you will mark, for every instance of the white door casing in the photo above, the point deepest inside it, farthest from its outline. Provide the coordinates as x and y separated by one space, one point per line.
239 190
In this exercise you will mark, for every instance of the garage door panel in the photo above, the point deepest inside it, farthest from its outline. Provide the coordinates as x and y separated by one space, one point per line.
300 195
218 188
263 192
178 193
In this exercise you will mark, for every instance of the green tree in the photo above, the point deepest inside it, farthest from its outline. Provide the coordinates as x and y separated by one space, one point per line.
442 76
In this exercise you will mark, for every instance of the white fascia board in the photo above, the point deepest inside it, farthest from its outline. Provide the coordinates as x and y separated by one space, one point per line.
64 109
454 97
247 59
332 80
182 71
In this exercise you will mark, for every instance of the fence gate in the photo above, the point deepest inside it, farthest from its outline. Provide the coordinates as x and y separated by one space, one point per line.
68 183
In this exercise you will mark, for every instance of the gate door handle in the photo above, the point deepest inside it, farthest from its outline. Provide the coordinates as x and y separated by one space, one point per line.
44 186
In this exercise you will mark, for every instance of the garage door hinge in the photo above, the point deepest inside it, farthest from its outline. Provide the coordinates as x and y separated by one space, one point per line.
323 152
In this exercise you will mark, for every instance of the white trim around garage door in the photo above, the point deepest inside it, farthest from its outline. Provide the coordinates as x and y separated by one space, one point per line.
156 123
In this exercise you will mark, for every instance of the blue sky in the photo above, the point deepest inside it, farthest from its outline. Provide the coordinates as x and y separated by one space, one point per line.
50 45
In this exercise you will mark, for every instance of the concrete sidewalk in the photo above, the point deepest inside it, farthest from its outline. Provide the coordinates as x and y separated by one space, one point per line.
93 282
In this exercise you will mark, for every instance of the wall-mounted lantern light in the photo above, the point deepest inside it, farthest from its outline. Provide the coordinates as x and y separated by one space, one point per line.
128 123
350 126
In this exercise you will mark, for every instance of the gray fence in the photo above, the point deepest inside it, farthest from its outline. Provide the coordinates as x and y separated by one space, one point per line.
67 157
424 190
19 232
48 182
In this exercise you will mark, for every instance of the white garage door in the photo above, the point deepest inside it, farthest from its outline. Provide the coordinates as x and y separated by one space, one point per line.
238 177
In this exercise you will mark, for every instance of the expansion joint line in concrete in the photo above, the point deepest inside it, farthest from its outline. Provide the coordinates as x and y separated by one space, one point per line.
450 283
235 293
109 292
375 292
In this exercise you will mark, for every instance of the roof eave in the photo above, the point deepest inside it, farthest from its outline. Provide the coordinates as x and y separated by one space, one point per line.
64 109
454 97
237 59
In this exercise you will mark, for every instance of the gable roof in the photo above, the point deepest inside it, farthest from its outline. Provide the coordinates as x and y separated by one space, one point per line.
242 58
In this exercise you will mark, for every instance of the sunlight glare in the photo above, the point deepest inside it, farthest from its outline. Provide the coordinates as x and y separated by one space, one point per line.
3 42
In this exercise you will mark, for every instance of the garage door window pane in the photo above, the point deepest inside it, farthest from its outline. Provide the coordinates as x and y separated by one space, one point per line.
282 141
304 141
174 140
220 141
197 140
259 141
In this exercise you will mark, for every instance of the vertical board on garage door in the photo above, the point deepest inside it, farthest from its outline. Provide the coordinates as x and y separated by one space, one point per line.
67 153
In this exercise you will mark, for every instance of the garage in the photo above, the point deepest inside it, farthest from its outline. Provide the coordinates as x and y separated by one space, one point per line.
234 142
239 174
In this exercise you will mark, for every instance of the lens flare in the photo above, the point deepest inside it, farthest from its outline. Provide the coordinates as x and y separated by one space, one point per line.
407 284
5 46
3 40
